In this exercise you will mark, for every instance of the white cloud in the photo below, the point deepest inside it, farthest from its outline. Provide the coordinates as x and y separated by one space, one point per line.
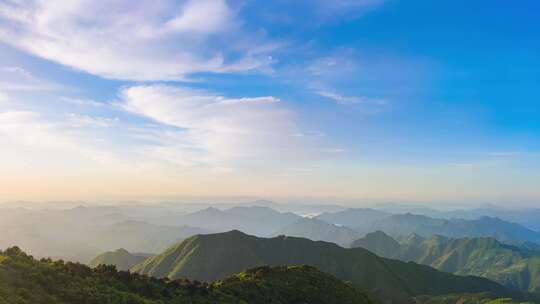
31 139
341 99
86 121
13 78
18 70
214 130
25 127
83 102
139 40
194 17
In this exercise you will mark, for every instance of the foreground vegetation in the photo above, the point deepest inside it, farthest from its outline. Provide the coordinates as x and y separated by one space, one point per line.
24 280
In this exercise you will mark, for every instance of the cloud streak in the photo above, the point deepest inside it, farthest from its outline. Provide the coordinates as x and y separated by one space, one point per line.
345 100
129 40
209 129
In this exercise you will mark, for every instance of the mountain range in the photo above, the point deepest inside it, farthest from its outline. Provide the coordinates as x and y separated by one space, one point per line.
513 266
82 232
370 220
258 220
355 218
215 256
318 230
139 236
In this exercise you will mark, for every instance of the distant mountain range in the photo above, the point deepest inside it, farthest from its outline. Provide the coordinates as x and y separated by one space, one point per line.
527 217
369 220
355 218
318 230
261 221
215 256
80 233
138 236
512 266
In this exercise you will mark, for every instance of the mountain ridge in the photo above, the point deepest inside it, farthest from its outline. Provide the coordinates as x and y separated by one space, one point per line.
510 265
210 257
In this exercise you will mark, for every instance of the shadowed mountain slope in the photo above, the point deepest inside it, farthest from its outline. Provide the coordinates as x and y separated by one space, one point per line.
214 256
512 266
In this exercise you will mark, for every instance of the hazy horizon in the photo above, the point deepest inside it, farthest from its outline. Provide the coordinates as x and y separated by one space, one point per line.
209 201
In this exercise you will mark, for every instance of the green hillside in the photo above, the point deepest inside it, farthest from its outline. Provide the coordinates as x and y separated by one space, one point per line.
121 259
24 280
511 266
215 256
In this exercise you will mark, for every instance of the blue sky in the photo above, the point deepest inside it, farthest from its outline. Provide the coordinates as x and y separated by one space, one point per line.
432 101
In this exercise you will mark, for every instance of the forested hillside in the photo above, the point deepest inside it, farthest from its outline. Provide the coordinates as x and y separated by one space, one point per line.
513 266
24 280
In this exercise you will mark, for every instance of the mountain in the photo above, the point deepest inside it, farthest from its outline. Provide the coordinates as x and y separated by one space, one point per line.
403 224
512 266
318 230
120 258
138 236
356 218
24 280
377 242
81 233
527 217
215 256
255 219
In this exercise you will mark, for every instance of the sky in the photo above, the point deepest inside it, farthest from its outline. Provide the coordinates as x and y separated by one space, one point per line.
433 101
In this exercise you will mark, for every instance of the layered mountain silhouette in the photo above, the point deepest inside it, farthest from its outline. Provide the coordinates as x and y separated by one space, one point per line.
261 221
370 220
355 218
215 256
318 230
512 266
139 236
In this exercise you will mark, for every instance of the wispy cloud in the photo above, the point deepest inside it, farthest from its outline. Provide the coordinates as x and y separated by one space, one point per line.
37 138
84 102
344 100
162 40
212 129
13 78
86 121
